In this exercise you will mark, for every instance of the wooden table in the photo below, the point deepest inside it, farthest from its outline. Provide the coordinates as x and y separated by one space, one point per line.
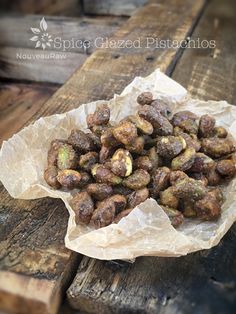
37 271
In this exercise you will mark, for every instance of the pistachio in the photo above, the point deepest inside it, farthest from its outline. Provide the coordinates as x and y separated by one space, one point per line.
138 180
208 208
141 124
99 191
125 132
143 162
145 98
82 205
121 163
137 197
88 160
183 116
136 146
220 131
189 189
160 180
226 167
69 178
184 161
50 176
81 141
170 146
101 116
217 147
67 157
206 125
167 198
161 124
53 151
103 174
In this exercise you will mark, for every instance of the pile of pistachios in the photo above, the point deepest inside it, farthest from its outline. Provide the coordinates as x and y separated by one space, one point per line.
178 159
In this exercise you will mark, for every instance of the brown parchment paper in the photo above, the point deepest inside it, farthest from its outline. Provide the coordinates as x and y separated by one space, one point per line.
147 229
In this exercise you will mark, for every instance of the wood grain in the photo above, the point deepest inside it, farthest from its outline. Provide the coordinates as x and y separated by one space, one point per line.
196 283
57 7
35 266
211 73
109 70
202 282
113 7
20 100
74 41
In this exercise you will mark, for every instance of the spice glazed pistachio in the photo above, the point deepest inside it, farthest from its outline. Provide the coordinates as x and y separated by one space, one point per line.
138 180
226 167
81 141
184 161
162 107
69 178
67 157
137 197
88 160
137 145
101 116
53 151
103 174
141 124
189 189
170 146
145 98
122 163
217 147
83 206
125 132
143 162
50 176
99 191
181 116
160 180
167 198
206 125
161 124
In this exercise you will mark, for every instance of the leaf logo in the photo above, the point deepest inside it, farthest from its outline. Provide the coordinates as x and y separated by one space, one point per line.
42 38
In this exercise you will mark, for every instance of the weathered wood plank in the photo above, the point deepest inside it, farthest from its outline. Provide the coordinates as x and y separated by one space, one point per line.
196 283
113 7
19 59
106 72
20 100
57 7
211 73
35 266
202 282
109 70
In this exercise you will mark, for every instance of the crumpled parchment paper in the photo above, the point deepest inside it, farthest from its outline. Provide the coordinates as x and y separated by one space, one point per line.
147 229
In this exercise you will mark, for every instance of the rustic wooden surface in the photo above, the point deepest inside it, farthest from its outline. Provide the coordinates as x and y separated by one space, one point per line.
211 73
35 265
108 71
113 7
16 46
51 7
150 279
203 282
20 100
